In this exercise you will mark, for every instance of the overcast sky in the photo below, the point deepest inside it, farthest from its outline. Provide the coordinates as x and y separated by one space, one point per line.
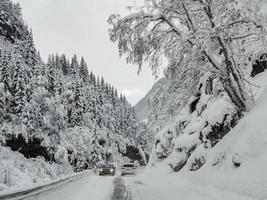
80 26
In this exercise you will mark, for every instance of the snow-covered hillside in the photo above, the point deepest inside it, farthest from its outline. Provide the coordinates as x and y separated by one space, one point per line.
238 162
162 104
144 107
235 167
209 116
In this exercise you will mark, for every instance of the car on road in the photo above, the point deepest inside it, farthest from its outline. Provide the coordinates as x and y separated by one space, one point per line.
106 169
128 168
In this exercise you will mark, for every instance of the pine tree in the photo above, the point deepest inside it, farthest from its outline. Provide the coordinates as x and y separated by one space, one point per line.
18 88
92 78
2 103
27 120
51 75
5 77
77 106
29 52
98 112
95 151
74 67
65 65
5 80
102 84
57 62
59 84
83 71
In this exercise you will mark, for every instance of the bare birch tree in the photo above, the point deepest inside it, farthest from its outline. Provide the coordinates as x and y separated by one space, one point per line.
219 36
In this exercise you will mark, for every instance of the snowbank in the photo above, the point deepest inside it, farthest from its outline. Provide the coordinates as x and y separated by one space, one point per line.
16 171
238 162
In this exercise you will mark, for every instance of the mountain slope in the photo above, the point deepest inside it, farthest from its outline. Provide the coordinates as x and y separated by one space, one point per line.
143 108
238 163
162 104
245 147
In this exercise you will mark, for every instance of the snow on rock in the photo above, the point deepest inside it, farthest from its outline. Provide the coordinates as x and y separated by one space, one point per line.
217 109
197 158
248 140
207 118
161 149
238 163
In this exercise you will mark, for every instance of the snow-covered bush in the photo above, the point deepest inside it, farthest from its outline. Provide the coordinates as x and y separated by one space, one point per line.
85 148
17 171
76 143
61 155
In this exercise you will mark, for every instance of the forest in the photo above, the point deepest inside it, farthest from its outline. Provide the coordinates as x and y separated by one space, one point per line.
57 109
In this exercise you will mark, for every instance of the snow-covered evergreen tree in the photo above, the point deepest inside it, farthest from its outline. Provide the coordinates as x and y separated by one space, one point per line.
74 67
51 75
77 106
95 150
64 64
83 71
18 88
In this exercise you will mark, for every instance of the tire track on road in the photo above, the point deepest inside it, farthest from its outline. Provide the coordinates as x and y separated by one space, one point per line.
120 190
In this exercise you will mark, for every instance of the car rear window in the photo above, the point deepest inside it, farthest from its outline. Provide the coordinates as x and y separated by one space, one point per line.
106 165
128 165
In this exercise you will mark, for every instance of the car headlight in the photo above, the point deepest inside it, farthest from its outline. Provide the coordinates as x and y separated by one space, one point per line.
111 170
100 170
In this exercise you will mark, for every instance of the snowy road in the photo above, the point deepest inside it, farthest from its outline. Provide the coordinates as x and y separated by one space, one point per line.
89 187
141 187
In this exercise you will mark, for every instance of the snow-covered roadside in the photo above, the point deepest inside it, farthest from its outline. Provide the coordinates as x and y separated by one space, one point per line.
18 172
167 186
239 161
235 167
28 192
90 187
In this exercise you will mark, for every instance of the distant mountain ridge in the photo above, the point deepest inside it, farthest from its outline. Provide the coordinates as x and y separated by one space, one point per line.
143 107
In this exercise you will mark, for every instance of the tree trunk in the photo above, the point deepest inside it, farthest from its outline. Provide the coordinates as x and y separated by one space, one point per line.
235 89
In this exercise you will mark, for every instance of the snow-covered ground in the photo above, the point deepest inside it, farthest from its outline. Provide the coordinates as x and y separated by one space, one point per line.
157 186
236 167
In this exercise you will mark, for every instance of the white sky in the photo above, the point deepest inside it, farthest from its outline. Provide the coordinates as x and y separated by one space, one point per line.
79 26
